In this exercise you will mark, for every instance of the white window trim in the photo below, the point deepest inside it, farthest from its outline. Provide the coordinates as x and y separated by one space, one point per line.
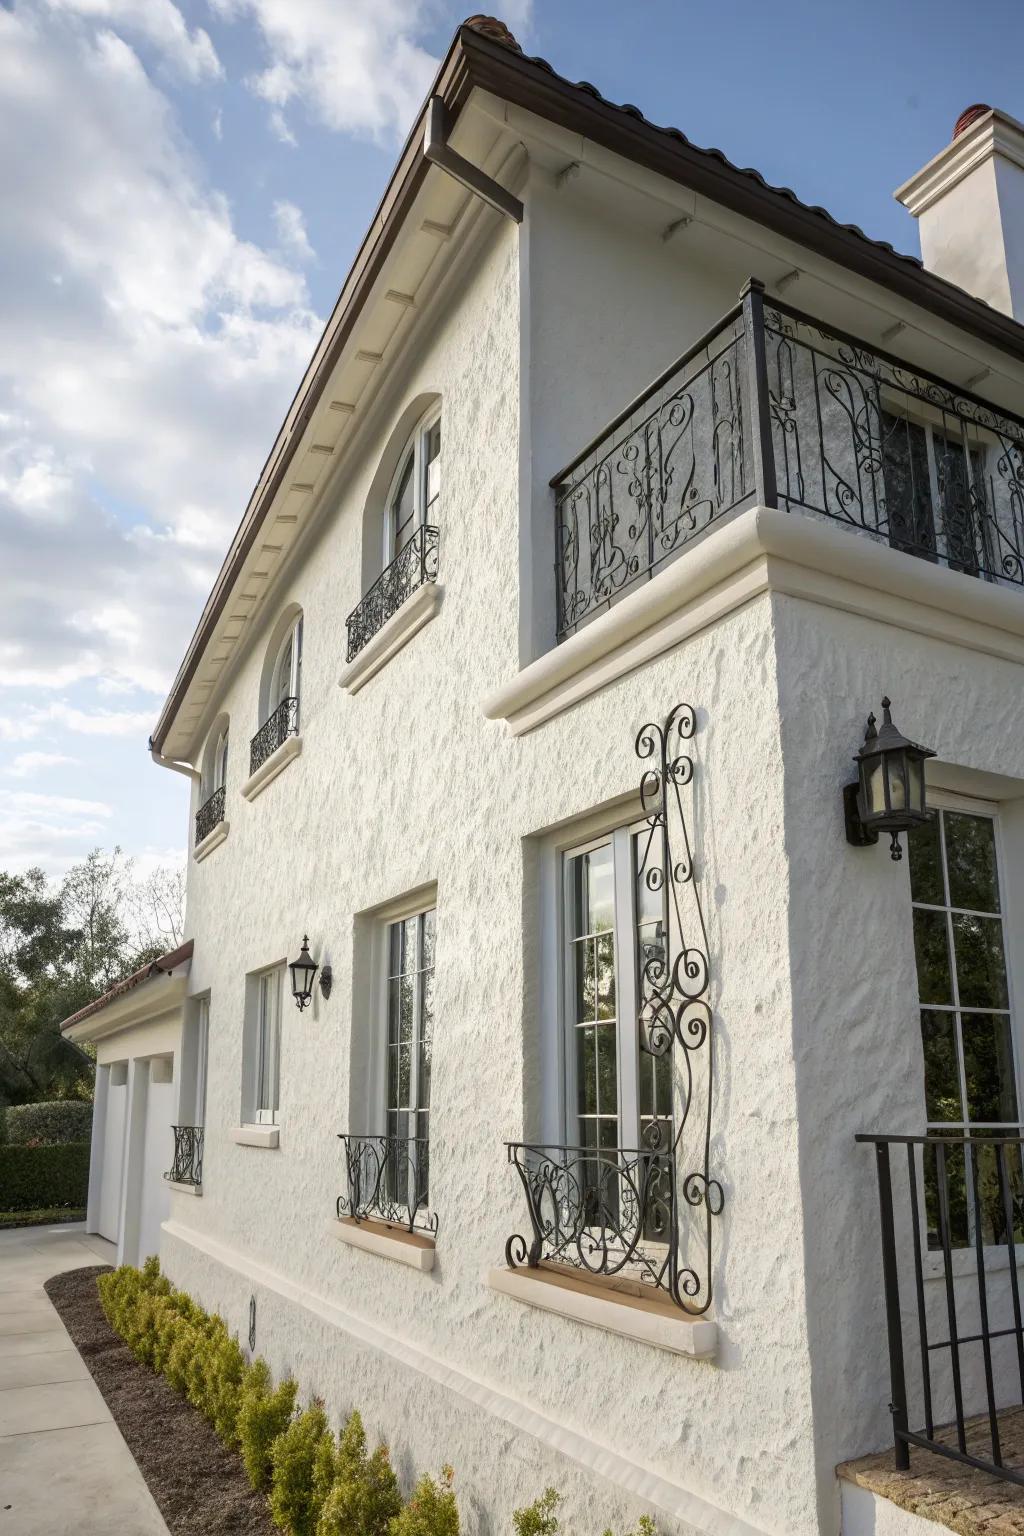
292 636
424 899
414 446
265 1116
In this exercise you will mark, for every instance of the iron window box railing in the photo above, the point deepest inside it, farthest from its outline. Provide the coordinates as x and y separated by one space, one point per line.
411 569
187 1167
961 1195
210 814
773 408
273 733
387 1179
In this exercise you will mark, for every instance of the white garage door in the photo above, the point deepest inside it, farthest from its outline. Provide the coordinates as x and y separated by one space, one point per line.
113 1152
159 1154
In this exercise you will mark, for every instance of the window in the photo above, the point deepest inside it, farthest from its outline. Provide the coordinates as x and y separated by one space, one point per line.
966 1013
268 1046
202 1048
410 1026
934 492
414 498
287 675
616 1095
220 761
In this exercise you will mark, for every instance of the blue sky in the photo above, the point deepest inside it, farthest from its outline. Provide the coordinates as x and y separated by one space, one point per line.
191 182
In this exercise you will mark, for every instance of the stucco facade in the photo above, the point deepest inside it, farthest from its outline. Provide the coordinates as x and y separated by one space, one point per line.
466 763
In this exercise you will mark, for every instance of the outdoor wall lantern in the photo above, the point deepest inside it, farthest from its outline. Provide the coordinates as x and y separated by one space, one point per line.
888 794
303 971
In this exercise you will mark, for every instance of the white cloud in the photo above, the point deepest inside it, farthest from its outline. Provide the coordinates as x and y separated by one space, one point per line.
159 23
24 801
26 724
29 763
291 230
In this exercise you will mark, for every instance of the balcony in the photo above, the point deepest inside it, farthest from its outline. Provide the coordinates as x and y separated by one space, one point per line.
772 408
187 1167
413 567
273 733
210 815
387 1181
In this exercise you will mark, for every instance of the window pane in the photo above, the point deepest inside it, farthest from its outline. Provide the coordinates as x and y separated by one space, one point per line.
586 1070
931 947
395 949
403 507
971 860
410 956
980 963
607 1093
394 1009
926 864
584 961
908 496
404 1073
429 929
432 458
988 1067
604 951
593 885
955 1186
941 1073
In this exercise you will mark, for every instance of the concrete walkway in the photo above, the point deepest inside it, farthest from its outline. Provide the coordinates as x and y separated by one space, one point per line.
64 1467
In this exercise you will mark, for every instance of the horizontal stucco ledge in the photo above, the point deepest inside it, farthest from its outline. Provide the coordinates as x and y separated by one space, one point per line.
275 764
406 621
402 1247
761 550
673 1331
212 840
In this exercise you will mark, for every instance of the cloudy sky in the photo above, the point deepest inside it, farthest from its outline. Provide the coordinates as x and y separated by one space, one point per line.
183 187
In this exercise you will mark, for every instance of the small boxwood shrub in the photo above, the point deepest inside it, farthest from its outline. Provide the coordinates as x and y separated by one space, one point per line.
432 1510
57 1124
263 1413
364 1497
32 1178
301 1471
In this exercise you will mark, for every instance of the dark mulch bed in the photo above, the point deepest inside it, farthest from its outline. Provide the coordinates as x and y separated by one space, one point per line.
201 1488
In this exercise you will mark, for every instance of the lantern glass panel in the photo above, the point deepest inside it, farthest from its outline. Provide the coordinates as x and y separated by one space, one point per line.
895 767
876 788
915 783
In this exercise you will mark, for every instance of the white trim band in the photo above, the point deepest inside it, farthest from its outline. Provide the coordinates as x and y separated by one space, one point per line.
418 609
278 760
664 1328
255 1135
404 1247
212 840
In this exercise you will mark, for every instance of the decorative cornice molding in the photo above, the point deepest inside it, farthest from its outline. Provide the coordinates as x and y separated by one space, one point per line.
993 134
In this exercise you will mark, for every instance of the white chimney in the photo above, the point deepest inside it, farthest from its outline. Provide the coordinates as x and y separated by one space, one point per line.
969 203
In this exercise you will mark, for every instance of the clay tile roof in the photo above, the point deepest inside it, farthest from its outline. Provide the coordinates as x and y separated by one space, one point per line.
158 967
968 116
490 26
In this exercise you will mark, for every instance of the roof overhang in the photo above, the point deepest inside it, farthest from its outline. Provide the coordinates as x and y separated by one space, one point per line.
148 993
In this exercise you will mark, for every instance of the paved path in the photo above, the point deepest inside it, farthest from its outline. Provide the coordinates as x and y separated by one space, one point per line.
64 1468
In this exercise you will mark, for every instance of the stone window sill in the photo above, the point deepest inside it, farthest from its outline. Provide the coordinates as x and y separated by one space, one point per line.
212 840
256 1135
410 1248
275 763
418 609
646 1319
184 1189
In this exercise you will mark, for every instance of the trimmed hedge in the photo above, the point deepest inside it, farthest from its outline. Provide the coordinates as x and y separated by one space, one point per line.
35 1177
55 1124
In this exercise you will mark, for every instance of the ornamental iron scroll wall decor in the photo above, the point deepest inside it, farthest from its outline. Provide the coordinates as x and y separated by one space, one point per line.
647 1213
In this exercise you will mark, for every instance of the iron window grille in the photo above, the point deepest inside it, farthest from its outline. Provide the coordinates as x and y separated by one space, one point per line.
415 564
387 1180
187 1167
773 408
274 732
645 1213
210 814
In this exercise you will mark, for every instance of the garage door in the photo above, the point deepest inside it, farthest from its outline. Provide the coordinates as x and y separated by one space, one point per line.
113 1152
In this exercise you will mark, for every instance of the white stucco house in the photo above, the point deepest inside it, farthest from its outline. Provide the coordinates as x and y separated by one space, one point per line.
621 488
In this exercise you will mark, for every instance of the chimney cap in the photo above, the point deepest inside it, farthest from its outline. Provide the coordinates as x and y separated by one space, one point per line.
490 26
968 116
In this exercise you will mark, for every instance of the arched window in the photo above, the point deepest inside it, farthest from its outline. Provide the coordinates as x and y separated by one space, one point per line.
413 500
286 678
280 689
219 760
213 781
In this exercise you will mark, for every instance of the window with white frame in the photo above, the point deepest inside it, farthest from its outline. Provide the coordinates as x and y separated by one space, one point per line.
414 497
202 1049
219 762
286 678
934 491
615 1095
266 1040
966 1007
409 1031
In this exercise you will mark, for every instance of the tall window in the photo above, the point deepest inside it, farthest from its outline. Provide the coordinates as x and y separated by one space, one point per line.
202 1046
286 680
616 1095
934 491
268 1046
219 762
964 995
410 1024
415 490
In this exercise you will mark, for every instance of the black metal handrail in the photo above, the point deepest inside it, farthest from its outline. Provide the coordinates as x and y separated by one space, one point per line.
274 732
387 1180
959 1349
773 407
187 1167
210 814
414 565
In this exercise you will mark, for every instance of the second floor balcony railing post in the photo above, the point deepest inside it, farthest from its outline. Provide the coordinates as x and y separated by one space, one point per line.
890 1280
763 452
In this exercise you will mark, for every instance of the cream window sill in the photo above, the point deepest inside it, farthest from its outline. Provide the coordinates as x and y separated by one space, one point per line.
418 609
256 1135
184 1189
410 1248
211 841
278 760
649 1321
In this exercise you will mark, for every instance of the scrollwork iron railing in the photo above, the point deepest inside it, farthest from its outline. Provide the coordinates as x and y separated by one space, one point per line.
388 1180
210 814
274 732
412 567
647 1214
187 1167
774 407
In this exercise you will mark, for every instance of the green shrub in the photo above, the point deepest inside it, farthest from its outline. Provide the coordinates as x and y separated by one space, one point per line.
263 1414
294 1505
431 1511
33 1177
539 1518
60 1123
364 1496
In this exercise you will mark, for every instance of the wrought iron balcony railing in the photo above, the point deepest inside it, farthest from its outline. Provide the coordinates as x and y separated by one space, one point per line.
387 1180
210 814
412 567
187 1167
284 722
956 1353
773 408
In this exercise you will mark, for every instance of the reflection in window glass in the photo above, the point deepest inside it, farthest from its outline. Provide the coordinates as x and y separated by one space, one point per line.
410 1029
592 946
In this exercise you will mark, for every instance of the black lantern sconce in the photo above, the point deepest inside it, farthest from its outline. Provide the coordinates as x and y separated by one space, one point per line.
304 971
888 794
